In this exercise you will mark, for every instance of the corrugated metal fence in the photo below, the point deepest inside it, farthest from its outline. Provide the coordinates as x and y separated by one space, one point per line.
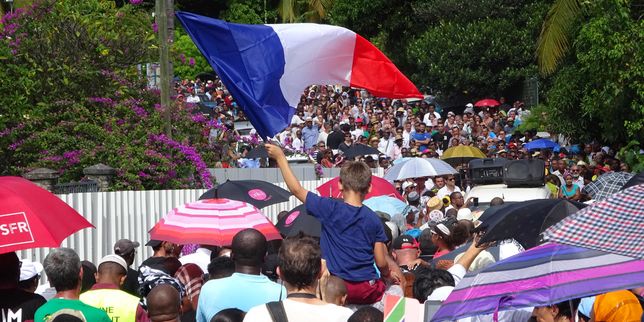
130 214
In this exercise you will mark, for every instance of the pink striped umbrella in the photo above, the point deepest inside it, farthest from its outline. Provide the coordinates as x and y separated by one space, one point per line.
211 222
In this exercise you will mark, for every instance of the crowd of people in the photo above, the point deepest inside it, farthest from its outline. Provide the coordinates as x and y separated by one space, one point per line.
344 274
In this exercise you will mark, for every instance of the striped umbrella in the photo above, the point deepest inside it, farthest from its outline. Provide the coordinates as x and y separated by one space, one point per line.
614 225
211 222
543 275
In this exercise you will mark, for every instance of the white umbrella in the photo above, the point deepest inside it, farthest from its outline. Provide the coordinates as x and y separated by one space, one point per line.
419 167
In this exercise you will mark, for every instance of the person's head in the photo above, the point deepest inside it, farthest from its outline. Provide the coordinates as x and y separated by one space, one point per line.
249 248
442 234
300 262
355 177
429 280
405 249
496 201
439 182
229 315
30 273
456 198
367 314
575 171
335 291
450 181
126 249
220 267
568 179
560 312
164 304
616 306
162 248
63 269
112 269
9 270
89 275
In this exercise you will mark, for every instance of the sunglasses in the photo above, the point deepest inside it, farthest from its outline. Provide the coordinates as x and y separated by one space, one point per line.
451 179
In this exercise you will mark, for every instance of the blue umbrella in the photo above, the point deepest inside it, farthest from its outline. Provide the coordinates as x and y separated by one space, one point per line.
541 144
386 204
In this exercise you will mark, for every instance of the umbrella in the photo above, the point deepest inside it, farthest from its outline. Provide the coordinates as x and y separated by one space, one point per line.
488 102
32 217
298 220
211 222
358 150
540 144
614 225
386 204
461 154
541 276
607 184
255 192
418 168
257 153
379 187
524 221
634 181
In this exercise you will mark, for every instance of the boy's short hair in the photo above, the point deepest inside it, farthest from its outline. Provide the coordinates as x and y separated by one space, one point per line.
356 176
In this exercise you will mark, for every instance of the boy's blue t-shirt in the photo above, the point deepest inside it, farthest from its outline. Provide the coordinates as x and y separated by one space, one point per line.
348 237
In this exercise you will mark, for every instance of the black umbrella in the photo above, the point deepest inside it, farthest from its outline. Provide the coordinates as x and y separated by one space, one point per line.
358 150
298 220
524 221
255 192
257 153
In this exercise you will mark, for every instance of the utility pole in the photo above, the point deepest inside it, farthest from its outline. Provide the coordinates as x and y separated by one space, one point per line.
164 14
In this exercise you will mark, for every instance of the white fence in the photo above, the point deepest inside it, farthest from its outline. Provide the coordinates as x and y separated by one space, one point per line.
130 214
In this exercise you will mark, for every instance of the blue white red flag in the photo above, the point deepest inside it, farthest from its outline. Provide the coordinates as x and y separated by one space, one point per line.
267 67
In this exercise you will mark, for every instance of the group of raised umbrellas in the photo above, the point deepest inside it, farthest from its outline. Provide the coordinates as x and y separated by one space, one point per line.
574 250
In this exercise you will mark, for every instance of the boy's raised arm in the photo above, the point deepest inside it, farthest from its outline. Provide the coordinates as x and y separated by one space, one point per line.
276 153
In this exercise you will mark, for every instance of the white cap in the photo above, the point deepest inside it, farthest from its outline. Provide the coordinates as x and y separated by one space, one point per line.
308 119
114 259
464 213
29 269
407 184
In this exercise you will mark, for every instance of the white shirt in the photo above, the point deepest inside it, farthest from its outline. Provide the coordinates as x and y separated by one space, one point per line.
579 181
385 146
201 257
427 120
302 312
193 99
406 135
445 191
297 144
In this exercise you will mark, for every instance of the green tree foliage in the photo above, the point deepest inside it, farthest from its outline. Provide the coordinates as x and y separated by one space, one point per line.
599 93
75 97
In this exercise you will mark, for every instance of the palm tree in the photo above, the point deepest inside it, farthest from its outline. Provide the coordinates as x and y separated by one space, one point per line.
314 10
553 43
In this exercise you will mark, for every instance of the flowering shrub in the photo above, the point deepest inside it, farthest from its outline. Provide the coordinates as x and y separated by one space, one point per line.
73 97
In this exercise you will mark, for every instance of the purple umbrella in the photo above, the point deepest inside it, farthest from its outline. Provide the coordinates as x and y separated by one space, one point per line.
544 275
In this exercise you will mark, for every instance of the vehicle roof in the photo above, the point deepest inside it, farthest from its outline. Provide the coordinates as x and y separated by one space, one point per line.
485 193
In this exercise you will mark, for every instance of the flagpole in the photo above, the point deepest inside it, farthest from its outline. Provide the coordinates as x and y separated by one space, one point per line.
164 14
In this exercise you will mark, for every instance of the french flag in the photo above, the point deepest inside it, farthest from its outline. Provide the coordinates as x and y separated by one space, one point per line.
267 67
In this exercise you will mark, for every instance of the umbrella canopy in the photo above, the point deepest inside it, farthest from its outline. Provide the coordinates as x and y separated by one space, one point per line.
524 221
615 225
257 153
607 184
255 192
487 102
462 154
540 144
379 187
541 276
298 220
211 222
358 150
32 217
634 181
386 204
418 168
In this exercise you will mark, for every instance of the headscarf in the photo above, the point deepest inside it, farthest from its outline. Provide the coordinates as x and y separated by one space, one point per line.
617 306
191 277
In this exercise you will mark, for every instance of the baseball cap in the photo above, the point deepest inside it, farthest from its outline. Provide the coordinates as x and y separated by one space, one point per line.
154 243
29 269
407 184
464 213
113 258
404 242
125 246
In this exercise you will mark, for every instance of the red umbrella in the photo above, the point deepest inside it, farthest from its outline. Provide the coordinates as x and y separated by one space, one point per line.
488 102
379 187
211 222
32 217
